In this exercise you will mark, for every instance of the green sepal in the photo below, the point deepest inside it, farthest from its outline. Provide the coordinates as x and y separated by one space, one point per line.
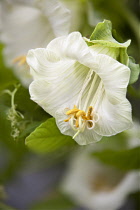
102 38
135 70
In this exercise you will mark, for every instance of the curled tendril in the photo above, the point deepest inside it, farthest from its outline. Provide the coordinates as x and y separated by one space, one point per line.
13 115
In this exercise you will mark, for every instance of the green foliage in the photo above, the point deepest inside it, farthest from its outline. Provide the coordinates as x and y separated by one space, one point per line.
33 114
55 202
134 93
15 151
121 16
30 127
114 142
5 207
47 138
102 38
135 70
28 108
6 76
123 159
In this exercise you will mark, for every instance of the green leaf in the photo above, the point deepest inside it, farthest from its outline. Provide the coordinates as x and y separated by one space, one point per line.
29 128
124 159
102 41
135 70
29 109
56 202
47 138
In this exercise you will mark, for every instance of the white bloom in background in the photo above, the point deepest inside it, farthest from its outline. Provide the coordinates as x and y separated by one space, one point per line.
77 13
27 25
83 15
85 92
96 186
133 135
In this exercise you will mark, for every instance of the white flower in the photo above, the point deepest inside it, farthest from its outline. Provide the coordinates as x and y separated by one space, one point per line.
96 186
85 92
27 25
84 13
133 135
77 13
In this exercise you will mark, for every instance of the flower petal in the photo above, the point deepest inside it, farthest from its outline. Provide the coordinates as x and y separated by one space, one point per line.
53 92
43 63
30 24
115 77
113 118
46 27
50 96
57 71
72 46
83 138
59 54
58 15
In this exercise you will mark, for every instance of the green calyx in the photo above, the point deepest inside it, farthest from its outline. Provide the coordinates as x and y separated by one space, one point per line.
102 41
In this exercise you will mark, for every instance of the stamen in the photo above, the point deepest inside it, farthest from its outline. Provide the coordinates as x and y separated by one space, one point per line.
88 78
89 115
79 119
72 123
98 95
21 60
67 120
72 111
80 113
91 124
77 123
96 117
90 90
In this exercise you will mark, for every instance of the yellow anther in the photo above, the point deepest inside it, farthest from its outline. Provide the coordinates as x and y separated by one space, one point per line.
80 113
21 60
89 116
90 124
67 120
84 118
77 123
72 111
77 113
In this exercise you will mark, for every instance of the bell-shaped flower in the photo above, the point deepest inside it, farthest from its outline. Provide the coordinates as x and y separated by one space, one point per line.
85 92
96 186
30 24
